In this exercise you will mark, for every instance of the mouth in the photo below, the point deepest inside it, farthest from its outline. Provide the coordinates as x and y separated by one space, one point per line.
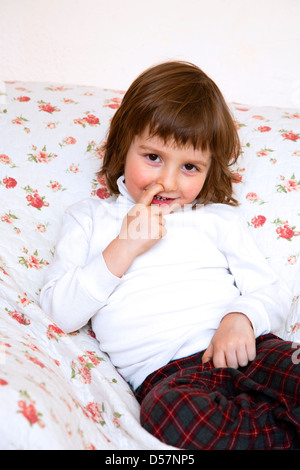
158 200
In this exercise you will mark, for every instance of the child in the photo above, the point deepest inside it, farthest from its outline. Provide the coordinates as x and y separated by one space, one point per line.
178 294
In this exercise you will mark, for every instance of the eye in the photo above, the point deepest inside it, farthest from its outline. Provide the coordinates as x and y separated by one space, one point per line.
189 167
152 157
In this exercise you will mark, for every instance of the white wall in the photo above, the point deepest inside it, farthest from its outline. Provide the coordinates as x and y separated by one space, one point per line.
251 48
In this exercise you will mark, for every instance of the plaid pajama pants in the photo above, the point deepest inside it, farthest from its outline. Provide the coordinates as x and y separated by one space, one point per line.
191 405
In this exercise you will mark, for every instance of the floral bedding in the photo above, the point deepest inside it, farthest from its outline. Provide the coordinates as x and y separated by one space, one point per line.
60 391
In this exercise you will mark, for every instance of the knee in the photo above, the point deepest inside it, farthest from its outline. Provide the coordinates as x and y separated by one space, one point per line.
172 413
158 410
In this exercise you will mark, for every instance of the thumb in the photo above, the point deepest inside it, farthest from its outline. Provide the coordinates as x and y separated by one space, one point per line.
208 354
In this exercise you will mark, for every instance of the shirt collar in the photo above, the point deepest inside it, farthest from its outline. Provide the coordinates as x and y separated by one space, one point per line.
124 196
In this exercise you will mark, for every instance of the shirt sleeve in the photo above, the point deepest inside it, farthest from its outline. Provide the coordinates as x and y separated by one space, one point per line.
264 297
75 289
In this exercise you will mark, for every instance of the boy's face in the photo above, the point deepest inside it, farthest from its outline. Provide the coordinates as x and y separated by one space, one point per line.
180 170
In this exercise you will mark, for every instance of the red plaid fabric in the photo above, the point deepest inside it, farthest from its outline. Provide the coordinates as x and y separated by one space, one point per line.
191 405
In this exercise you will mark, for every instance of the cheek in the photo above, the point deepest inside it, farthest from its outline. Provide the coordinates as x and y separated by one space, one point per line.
135 176
193 189
136 179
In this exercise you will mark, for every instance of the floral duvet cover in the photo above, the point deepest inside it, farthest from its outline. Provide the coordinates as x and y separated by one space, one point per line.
60 391
57 390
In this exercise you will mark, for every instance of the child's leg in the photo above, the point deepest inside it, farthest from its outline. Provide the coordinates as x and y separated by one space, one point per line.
194 406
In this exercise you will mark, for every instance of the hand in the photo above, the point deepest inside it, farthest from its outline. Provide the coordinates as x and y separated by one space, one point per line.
144 225
233 344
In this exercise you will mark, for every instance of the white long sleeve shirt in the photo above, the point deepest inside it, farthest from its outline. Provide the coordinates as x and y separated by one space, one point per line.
172 298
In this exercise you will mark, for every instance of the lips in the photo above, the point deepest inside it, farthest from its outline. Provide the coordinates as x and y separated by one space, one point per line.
158 200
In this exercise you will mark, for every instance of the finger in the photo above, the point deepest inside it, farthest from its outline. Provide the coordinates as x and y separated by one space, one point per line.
232 360
219 359
149 194
251 350
242 358
208 354
246 353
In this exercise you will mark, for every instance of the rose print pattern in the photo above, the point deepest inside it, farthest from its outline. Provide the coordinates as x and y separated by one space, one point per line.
19 317
9 182
5 159
285 231
82 367
288 185
34 199
53 332
290 135
41 156
258 221
47 107
89 119
28 410
58 390
264 129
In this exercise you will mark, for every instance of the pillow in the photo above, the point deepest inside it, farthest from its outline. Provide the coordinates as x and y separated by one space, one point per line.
50 151
269 187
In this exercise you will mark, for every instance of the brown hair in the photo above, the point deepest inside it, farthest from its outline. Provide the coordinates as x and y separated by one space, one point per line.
176 100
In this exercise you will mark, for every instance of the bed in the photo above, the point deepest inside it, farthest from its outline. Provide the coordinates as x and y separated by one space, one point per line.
60 391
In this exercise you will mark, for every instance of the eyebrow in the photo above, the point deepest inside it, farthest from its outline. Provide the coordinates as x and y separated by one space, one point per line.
155 151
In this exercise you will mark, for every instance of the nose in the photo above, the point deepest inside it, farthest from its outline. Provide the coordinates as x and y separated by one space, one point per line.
169 180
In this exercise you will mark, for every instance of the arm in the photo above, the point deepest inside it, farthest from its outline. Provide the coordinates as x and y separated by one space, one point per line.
142 228
74 290
264 299
261 307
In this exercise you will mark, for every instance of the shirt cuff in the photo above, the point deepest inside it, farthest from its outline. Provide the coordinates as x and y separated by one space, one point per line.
256 313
